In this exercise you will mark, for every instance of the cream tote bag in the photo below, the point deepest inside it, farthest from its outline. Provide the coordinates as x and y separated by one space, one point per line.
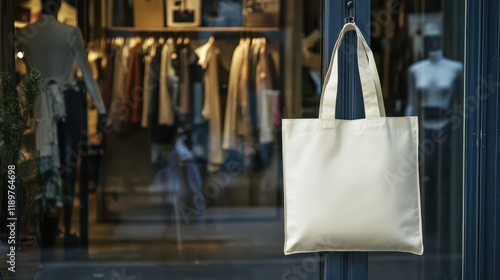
352 185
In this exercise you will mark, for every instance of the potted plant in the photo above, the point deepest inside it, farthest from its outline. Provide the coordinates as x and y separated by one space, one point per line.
17 113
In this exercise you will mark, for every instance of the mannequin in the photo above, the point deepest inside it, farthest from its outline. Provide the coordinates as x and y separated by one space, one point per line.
433 83
57 50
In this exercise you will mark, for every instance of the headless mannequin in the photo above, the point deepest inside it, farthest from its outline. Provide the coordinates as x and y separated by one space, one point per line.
433 83
54 49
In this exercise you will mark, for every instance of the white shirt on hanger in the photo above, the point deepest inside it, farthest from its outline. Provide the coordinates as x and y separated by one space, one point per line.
208 55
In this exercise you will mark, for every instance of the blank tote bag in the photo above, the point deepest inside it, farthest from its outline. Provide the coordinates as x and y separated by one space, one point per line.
352 185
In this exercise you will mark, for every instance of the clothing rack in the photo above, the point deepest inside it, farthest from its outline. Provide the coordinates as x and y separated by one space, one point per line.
198 32
273 34
192 29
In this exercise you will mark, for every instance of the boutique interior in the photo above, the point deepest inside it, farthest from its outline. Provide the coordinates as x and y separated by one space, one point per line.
188 167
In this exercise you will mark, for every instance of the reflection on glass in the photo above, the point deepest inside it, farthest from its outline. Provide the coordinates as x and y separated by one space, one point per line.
419 53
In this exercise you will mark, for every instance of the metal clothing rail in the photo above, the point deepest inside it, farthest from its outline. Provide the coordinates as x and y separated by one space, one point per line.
193 29
199 32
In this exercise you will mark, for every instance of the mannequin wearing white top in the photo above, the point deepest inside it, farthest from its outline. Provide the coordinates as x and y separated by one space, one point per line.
55 49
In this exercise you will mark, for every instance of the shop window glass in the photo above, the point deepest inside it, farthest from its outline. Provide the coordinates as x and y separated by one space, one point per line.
419 51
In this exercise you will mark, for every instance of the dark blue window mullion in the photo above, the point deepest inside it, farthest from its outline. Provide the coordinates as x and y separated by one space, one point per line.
491 144
482 108
481 116
351 265
333 11
472 196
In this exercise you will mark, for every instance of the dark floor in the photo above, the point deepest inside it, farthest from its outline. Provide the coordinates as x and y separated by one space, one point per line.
194 270
388 267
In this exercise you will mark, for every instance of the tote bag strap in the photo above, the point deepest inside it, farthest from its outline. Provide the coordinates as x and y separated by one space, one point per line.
370 81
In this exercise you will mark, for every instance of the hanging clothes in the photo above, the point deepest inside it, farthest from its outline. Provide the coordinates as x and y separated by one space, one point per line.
149 50
161 135
252 94
237 122
132 112
163 85
185 96
119 75
209 60
264 85
266 104
169 84
244 126
52 111
185 64
223 89
107 89
199 125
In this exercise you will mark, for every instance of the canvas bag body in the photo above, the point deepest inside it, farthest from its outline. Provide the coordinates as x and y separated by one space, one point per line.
352 185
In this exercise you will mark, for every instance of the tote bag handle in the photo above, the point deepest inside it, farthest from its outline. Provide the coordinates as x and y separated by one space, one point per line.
370 81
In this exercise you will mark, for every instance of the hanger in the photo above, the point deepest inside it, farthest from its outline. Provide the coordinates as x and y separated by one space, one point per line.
179 40
243 36
119 41
137 40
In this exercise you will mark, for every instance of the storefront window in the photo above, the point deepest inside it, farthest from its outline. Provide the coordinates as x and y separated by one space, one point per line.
185 179
162 157
419 51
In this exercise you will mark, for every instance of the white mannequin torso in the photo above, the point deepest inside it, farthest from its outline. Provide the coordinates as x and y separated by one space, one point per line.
434 79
